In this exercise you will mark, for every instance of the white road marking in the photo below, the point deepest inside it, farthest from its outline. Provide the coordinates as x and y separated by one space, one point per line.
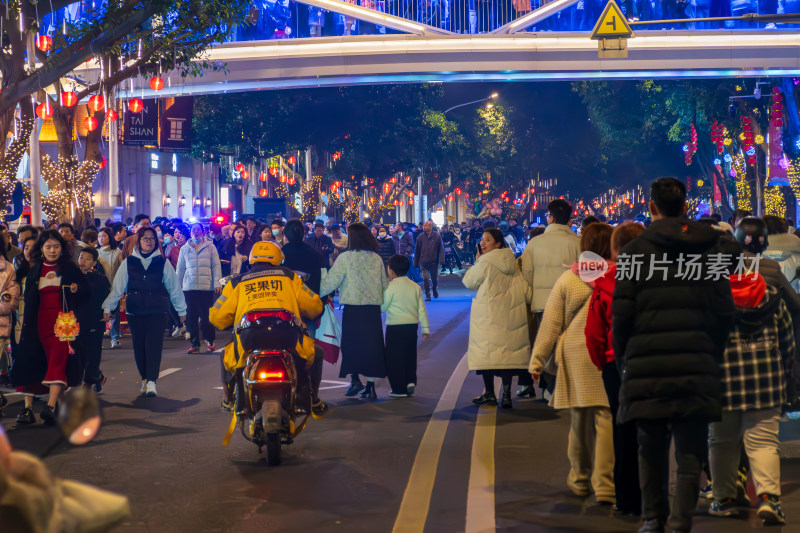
336 384
480 495
417 497
167 372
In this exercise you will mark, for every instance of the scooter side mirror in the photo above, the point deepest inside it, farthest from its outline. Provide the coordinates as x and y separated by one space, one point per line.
79 415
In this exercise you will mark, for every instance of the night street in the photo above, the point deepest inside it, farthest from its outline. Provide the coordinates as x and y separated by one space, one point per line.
350 471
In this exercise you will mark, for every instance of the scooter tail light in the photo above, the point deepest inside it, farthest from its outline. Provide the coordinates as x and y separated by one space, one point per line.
278 375
252 316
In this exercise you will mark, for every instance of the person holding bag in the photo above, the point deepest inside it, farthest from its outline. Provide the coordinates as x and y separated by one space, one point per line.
53 285
579 386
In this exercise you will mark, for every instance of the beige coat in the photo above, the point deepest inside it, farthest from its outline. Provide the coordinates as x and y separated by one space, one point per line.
498 323
579 383
547 257
9 297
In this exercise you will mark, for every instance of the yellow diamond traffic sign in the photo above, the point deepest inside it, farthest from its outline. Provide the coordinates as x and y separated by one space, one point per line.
612 23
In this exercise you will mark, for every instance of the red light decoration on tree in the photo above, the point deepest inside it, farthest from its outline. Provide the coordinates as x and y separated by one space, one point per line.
458 191
104 162
245 175
291 180
282 178
97 103
262 193
135 105
690 148
273 170
410 194
291 160
410 201
68 99
156 83
777 107
239 168
263 176
449 197
386 188
44 110
337 155
717 135
44 43
90 123
408 178
111 115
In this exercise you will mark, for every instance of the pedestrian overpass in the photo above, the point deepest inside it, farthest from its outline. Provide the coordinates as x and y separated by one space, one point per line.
413 41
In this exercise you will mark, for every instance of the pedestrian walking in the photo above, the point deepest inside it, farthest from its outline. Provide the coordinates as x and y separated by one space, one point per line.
386 246
321 243
40 365
429 255
405 311
108 255
545 259
339 241
601 351
579 386
90 318
234 254
498 322
669 334
74 246
151 285
140 221
756 364
9 296
361 279
404 241
199 271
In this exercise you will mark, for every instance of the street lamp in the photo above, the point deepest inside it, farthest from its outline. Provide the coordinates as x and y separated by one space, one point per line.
182 201
197 201
492 96
167 200
208 201
131 198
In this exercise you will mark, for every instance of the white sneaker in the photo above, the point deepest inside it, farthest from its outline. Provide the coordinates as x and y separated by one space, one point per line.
143 388
411 387
187 336
151 389
182 330
176 333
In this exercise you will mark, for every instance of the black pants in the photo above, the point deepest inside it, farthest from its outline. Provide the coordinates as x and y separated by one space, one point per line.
488 378
430 275
197 305
626 464
147 334
401 356
691 442
91 345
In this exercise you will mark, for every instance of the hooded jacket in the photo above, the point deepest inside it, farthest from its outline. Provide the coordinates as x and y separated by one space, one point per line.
498 323
668 332
598 322
760 350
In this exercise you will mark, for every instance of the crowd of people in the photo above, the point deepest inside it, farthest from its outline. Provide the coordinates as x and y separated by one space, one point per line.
646 331
281 19
672 330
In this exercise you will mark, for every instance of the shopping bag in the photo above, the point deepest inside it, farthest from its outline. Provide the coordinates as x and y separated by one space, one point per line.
329 335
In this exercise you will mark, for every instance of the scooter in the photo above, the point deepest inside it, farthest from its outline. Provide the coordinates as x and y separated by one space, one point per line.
272 402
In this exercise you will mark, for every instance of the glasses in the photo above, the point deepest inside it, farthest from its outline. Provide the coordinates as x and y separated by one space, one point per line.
148 239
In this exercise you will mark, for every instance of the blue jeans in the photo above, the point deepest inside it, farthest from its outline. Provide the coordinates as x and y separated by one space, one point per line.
115 325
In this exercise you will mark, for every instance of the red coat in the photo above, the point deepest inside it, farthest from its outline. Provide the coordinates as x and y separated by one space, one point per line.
598 322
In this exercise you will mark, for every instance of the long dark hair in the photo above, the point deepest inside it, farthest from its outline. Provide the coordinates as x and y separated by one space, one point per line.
231 247
360 238
51 234
108 233
497 235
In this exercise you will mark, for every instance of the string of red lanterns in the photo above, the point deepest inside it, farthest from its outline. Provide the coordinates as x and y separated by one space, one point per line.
135 105
156 83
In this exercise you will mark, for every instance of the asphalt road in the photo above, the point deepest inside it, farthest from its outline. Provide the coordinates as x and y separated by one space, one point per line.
432 463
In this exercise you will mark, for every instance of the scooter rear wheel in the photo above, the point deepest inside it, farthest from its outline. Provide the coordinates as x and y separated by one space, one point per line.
273 449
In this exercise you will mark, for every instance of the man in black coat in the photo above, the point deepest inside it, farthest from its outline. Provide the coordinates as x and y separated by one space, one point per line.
671 320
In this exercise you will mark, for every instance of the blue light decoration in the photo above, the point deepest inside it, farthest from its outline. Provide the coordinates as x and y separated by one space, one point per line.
797 143
751 151
685 148
727 158
192 220
717 162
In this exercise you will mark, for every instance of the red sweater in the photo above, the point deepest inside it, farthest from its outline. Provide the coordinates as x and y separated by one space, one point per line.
598 323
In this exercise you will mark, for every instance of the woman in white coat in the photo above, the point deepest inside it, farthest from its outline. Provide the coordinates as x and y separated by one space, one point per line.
498 324
579 386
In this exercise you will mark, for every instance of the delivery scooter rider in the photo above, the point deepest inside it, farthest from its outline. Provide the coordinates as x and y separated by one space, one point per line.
268 286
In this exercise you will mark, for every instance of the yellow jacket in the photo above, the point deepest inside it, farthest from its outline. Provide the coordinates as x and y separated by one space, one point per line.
268 287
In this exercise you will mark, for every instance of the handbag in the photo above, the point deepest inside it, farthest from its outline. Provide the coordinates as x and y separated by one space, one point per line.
329 335
67 329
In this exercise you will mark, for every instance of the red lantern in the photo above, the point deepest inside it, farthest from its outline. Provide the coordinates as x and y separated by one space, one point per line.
68 99
44 43
135 105
263 176
273 170
104 162
408 178
262 193
156 83
111 115
97 103
410 201
44 110
291 181
245 175
90 123
393 180
778 123
395 202
386 188
458 191
239 168
400 203
283 178
411 194
290 160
